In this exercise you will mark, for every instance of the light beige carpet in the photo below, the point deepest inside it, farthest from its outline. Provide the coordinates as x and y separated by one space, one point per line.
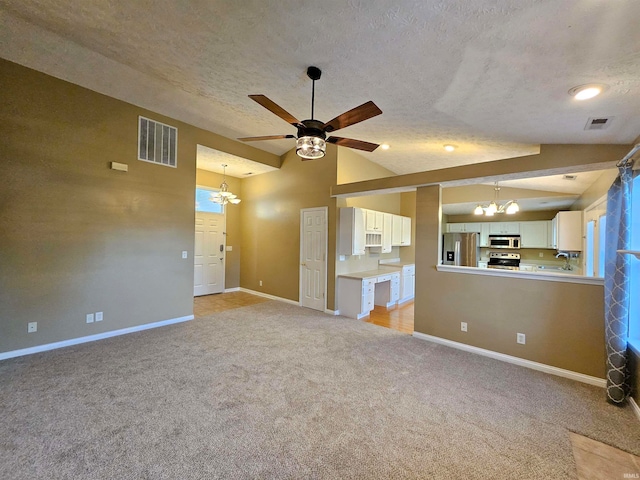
277 391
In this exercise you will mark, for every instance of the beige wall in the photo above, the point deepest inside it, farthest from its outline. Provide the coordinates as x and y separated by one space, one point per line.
77 237
233 226
597 190
270 214
562 321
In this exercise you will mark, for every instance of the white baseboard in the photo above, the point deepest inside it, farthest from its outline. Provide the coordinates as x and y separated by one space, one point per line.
234 289
634 407
91 338
332 312
580 377
271 297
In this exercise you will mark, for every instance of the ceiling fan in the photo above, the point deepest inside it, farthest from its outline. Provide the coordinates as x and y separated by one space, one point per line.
312 134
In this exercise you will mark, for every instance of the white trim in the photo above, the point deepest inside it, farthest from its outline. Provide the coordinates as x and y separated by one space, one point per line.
547 277
561 372
91 338
234 289
271 297
332 312
325 211
634 407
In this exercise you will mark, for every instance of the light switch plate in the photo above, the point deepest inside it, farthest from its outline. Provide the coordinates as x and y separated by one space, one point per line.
89 317
521 338
185 254
463 326
99 316
229 248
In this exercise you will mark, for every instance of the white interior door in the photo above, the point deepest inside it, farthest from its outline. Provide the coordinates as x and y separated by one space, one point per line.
208 256
313 258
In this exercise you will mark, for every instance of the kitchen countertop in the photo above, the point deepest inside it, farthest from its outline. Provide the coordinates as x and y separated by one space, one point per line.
544 275
396 264
367 274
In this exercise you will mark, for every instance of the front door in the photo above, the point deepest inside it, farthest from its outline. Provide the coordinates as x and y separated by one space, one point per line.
313 258
208 256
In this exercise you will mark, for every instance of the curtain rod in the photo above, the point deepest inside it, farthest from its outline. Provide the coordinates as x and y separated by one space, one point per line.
626 159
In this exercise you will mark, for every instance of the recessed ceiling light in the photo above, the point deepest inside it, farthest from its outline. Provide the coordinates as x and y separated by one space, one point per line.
584 92
449 148
384 146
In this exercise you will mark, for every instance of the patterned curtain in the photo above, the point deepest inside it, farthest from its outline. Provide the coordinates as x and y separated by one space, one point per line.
617 283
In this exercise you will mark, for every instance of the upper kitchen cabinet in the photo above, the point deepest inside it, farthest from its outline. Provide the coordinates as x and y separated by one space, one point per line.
401 231
534 234
567 231
387 232
351 237
374 221
509 228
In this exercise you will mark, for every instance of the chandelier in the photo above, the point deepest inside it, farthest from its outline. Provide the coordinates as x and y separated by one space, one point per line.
490 210
224 196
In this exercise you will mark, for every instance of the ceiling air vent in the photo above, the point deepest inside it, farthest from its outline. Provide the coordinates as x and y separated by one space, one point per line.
598 123
157 142
569 177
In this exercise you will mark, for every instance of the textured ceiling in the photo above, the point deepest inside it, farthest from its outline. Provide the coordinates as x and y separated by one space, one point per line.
489 76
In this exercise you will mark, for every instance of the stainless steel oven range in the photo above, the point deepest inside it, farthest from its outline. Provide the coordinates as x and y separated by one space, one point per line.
504 260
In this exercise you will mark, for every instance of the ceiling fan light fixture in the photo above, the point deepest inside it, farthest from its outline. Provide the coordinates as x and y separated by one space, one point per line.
449 147
311 148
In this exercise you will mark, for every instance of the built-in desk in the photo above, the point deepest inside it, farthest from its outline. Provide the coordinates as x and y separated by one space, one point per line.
359 292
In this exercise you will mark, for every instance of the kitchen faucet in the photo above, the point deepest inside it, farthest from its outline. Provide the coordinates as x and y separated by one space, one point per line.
566 265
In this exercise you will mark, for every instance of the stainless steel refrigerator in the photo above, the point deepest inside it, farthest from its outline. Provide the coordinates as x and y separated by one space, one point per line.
461 249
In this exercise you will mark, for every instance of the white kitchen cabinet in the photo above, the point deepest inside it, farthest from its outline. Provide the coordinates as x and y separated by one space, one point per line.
357 296
455 227
396 230
352 235
406 232
484 234
374 221
401 231
464 227
534 234
568 232
387 232
552 233
408 283
498 228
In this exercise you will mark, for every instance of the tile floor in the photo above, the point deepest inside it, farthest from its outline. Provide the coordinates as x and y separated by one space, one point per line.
594 460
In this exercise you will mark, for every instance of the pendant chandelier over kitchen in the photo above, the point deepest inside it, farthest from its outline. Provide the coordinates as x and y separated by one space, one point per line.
224 196
494 207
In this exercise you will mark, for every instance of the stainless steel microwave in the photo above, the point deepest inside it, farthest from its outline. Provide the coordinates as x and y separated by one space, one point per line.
504 241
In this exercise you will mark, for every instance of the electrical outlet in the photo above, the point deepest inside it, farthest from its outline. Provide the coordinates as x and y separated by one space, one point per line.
463 326
260 282
541 254
521 338
89 317
32 327
99 316
184 254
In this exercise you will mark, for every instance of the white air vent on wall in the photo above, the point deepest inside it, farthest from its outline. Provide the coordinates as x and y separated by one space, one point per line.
157 142
598 123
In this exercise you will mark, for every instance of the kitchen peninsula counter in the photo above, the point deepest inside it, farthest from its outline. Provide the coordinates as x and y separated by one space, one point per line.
540 275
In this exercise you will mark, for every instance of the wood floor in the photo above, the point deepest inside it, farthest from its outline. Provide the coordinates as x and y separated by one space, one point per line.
594 460
397 318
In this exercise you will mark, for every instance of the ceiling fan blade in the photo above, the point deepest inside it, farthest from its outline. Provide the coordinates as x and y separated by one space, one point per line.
268 137
351 143
355 115
275 108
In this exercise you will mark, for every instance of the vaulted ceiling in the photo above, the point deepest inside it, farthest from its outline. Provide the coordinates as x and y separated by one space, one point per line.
489 76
